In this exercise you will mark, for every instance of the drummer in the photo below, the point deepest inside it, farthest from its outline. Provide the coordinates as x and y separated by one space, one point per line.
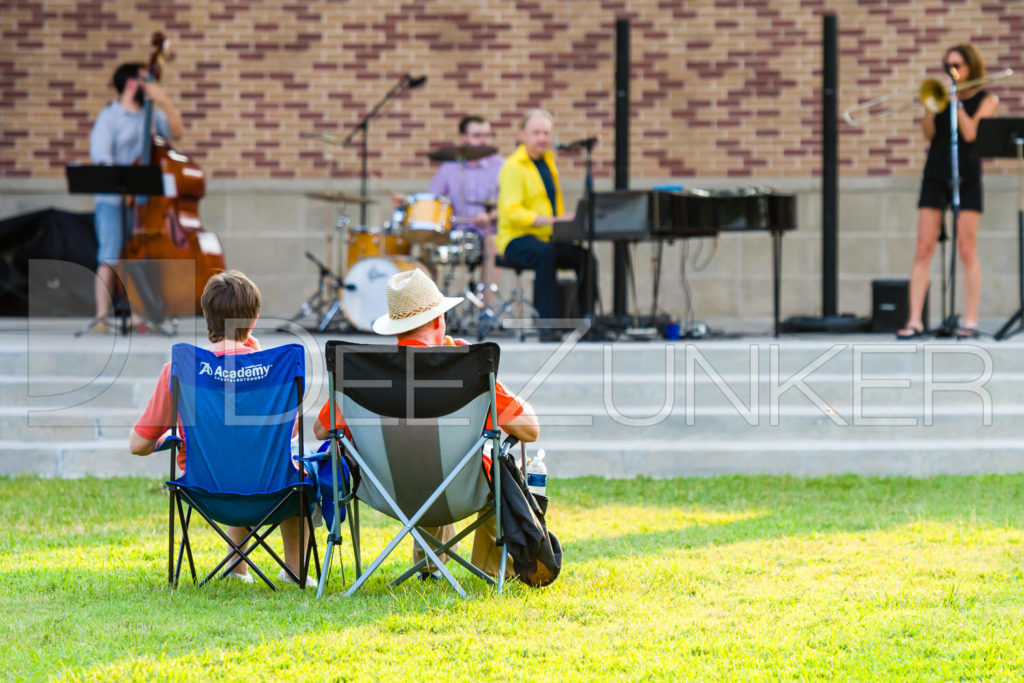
472 189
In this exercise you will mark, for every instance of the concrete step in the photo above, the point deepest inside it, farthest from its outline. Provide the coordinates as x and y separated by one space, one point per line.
837 390
571 458
806 458
596 426
113 357
66 405
559 389
792 356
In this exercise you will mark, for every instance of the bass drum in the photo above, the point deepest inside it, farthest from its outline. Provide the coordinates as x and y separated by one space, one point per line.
369 242
364 297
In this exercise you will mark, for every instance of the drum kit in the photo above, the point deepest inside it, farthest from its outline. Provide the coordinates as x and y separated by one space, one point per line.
422 233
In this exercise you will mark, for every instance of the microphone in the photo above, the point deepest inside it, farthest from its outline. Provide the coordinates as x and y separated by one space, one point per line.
577 144
951 71
415 82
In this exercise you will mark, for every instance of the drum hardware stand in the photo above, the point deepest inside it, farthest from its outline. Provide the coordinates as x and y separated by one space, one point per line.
324 303
406 82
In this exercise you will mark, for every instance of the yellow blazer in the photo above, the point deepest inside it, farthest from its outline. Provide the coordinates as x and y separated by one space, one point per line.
522 197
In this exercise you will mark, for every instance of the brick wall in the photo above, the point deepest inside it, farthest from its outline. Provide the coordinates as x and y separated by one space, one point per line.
723 88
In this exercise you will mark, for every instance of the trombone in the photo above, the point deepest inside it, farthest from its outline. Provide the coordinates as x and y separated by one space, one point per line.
932 94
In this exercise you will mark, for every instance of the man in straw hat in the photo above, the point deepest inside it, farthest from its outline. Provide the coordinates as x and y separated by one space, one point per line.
415 316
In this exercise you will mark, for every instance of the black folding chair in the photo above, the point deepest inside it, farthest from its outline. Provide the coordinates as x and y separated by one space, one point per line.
417 418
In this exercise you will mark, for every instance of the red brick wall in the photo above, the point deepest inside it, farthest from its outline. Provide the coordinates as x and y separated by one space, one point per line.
720 87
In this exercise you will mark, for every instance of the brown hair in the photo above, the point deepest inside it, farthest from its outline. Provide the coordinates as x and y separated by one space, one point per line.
972 57
231 299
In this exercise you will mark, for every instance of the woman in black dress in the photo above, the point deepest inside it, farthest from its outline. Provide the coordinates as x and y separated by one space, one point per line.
936 192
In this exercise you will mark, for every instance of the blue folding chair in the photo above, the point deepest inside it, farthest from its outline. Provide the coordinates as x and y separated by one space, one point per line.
237 414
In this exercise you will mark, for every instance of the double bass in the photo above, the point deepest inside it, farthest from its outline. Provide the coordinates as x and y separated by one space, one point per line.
169 254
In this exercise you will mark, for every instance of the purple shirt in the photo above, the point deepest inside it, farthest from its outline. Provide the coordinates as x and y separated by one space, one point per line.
466 184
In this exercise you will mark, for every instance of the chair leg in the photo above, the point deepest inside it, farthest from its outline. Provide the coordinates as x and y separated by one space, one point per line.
186 544
326 573
446 548
501 569
353 522
303 553
170 538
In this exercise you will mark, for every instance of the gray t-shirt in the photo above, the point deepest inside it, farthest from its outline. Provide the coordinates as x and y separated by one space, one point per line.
116 138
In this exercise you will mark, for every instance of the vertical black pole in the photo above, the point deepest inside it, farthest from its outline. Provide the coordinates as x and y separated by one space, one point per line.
829 166
621 157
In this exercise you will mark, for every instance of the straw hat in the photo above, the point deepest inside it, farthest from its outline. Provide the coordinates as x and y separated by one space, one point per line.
413 299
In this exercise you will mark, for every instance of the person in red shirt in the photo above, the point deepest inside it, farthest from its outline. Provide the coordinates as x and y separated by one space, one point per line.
415 316
231 304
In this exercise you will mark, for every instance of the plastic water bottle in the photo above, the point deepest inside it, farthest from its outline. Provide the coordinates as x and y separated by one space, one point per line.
537 475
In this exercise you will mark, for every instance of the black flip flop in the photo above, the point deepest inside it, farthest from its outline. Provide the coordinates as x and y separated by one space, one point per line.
914 333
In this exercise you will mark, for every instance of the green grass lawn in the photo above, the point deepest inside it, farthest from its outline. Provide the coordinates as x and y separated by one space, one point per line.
730 578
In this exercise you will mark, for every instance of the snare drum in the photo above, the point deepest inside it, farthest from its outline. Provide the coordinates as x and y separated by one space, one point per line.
366 243
428 218
464 249
364 297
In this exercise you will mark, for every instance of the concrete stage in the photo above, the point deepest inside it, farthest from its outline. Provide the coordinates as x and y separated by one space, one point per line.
745 402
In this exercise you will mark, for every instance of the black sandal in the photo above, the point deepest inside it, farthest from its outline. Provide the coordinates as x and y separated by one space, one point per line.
908 332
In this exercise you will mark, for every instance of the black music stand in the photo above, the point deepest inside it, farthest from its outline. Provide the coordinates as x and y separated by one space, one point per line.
1004 137
124 181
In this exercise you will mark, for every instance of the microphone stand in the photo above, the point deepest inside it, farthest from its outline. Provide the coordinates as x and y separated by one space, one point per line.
951 324
363 126
593 333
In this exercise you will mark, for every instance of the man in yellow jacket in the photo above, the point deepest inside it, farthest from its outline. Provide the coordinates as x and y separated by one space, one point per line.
529 202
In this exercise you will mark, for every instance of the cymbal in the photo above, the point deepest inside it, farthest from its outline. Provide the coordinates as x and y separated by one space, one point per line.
323 137
462 153
341 198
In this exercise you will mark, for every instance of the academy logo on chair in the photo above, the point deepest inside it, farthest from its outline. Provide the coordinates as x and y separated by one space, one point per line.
246 373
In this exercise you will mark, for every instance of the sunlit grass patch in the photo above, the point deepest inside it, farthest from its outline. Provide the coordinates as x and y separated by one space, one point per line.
768 578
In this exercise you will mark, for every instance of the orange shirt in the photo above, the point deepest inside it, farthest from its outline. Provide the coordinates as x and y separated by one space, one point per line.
158 418
509 405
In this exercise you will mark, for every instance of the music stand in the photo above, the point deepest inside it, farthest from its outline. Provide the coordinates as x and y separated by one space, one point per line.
124 181
1004 137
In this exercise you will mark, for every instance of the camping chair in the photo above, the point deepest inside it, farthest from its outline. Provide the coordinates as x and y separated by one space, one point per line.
417 419
236 414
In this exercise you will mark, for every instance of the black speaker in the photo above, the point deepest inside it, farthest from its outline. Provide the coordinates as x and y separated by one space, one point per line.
890 305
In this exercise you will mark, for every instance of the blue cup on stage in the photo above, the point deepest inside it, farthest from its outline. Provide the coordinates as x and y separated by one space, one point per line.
672 331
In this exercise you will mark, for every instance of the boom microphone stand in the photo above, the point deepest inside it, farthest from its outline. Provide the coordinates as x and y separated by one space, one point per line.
951 324
406 82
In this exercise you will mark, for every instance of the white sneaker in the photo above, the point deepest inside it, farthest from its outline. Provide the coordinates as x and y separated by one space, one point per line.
244 578
284 578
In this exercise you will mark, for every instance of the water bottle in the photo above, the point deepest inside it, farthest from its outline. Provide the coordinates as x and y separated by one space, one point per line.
537 475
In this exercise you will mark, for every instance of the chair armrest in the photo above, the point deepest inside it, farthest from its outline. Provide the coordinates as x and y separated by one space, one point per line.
168 443
507 445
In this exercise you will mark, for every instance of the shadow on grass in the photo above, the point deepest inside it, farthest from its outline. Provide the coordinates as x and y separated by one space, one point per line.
777 507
